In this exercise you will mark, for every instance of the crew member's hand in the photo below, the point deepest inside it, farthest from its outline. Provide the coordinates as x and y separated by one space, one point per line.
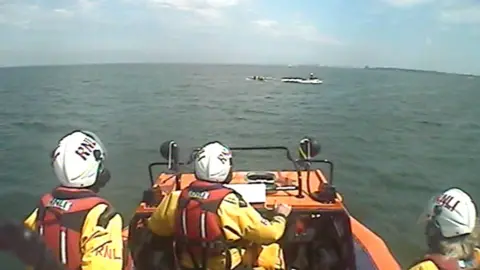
9 232
27 246
283 209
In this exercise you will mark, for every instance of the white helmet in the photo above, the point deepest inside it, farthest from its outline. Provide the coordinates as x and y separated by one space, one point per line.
213 163
453 213
78 159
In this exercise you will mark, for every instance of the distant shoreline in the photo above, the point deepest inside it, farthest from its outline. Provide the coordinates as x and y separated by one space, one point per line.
420 71
239 64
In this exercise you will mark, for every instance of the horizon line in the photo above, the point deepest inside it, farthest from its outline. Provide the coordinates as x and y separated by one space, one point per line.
367 67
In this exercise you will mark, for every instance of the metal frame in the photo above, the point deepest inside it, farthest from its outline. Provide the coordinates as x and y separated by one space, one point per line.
298 164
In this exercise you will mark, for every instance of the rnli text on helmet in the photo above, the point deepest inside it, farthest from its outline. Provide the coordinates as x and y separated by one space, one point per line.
86 148
446 201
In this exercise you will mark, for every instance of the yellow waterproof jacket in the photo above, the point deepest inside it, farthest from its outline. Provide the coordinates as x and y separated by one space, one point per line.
430 265
101 242
242 220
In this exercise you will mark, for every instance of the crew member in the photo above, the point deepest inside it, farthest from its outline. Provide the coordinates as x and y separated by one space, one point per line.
27 246
208 212
451 232
82 229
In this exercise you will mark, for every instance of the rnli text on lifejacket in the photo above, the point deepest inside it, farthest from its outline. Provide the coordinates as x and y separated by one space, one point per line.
65 205
199 195
107 252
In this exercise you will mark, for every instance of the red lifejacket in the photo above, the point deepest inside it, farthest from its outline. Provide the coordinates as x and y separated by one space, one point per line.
60 218
197 224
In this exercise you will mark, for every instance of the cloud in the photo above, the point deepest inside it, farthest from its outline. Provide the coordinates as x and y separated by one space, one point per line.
51 18
161 30
406 3
63 12
428 41
294 30
208 9
464 15
233 19
447 11
19 15
266 24
86 5
196 4
227 18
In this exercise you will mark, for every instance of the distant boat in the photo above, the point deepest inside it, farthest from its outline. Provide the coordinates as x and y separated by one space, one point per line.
301 80
310 80
257 78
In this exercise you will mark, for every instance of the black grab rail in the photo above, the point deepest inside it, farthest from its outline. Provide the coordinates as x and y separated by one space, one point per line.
302 164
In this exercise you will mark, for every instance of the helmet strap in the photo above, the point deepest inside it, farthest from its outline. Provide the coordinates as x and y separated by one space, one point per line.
229 176
103 174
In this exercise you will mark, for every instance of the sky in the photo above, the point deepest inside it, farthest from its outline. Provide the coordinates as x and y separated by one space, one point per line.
439 35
